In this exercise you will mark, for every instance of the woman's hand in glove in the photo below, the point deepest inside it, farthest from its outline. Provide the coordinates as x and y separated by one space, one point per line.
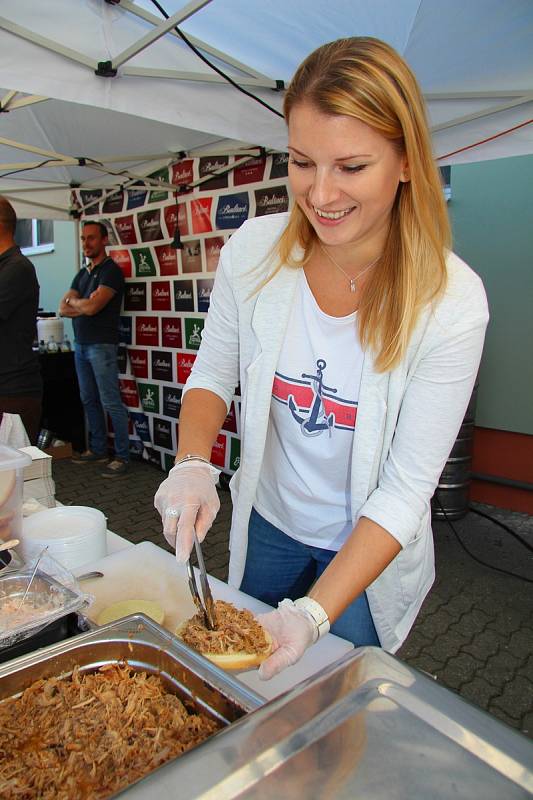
292 630
187 501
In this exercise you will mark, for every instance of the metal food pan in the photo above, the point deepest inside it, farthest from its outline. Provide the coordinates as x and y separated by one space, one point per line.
144 646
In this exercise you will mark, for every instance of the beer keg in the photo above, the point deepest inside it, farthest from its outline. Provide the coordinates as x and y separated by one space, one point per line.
452 495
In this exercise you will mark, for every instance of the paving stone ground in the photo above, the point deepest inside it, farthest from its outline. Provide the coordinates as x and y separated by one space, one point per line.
475 630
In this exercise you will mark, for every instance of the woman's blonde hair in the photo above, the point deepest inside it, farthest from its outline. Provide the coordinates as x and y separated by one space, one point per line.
365 78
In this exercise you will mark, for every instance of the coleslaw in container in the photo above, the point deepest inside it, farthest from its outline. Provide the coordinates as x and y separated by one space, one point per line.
53 593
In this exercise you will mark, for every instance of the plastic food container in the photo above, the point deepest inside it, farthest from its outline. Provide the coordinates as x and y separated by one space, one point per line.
75 535
12 463
46 601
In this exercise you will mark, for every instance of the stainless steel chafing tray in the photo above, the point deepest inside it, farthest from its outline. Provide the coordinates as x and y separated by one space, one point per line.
146 646
368 727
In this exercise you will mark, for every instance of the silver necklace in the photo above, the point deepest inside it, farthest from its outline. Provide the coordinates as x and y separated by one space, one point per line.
353 281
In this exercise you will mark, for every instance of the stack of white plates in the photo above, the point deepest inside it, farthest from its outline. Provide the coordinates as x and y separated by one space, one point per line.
75 535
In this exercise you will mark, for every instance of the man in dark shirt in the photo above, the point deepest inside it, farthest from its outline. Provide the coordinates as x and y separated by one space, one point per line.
20 377
93 302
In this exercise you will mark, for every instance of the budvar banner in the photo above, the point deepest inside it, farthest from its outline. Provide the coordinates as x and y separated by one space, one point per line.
168 244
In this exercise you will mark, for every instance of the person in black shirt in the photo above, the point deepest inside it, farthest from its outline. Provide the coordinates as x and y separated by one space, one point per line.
93 302
20 377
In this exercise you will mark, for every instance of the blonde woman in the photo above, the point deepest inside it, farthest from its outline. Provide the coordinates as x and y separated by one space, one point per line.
356 335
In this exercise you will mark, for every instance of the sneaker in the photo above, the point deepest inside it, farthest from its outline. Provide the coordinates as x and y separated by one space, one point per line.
88 457
115 468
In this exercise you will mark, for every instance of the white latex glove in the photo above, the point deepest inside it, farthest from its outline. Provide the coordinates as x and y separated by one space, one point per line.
187 501
293 631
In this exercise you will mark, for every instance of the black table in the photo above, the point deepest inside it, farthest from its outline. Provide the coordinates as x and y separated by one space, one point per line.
62 409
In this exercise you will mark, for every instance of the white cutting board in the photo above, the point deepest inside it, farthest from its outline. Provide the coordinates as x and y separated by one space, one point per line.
142 572
148 572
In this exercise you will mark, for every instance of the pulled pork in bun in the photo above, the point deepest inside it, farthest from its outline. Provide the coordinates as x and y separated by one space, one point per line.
238 642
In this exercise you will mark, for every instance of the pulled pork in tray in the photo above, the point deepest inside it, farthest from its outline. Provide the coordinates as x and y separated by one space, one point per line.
237 631
87 736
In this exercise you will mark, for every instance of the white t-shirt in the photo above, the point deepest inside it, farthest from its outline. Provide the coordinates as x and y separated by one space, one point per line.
304 486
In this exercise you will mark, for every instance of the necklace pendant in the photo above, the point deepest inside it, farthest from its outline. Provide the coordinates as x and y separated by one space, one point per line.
353 286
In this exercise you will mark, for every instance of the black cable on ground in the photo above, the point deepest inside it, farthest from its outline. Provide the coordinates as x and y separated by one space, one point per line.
215 68
474 557
502 525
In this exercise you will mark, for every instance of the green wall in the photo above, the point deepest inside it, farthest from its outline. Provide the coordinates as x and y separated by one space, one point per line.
492 216
56 270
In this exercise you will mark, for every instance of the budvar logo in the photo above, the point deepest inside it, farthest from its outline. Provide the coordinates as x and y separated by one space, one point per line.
185 362
171 332
218 445
148 224
195 337
137 291
143 264
124 226
166 257
128 392
137 360
204 293
160 427
272 199
212 249
162 292
147 327
161 362
183 294
142 425
181 174
232 209
210 165
172 398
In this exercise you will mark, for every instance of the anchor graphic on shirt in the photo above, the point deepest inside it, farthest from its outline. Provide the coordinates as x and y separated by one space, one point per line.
317 421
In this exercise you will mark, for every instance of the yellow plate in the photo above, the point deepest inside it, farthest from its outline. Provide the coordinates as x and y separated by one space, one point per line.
125 607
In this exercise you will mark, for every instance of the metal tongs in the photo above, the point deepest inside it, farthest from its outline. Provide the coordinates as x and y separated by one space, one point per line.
206 607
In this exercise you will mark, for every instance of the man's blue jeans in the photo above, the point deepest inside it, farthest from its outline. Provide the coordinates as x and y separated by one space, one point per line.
97 370
278 567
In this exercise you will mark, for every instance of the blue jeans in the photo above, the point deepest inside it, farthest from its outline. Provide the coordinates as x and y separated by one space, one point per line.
97 370
278 567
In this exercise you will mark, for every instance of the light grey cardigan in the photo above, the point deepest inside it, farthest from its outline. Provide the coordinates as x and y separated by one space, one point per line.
407 419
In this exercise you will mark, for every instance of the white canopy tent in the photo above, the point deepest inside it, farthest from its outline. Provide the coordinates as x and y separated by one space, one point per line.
113 81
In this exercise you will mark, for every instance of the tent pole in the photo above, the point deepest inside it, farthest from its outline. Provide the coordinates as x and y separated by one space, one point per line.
199 43
159 31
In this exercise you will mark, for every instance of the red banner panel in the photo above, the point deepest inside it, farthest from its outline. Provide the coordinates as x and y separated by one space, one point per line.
168 259
128 392
138 362
161 296
182 173
201 215
250 172
176 216
123 259
147 331
185 363
213 245
126 229
171 332
218 453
